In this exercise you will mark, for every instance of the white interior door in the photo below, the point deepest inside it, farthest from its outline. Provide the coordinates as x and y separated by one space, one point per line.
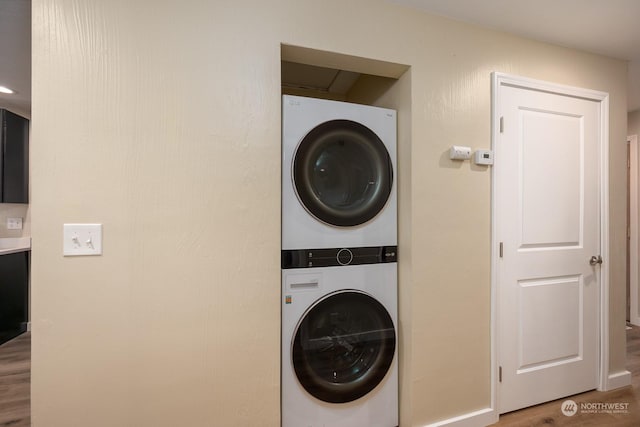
634 235
547 220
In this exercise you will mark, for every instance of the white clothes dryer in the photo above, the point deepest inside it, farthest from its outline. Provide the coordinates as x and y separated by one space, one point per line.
339 346
338 174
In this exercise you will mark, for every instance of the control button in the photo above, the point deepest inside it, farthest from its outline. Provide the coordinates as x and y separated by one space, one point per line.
344 257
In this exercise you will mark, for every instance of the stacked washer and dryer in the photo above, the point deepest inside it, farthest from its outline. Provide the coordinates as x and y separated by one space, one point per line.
339 265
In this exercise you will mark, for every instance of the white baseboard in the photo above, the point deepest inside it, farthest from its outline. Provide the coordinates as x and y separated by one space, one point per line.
618 379
487 416
483 417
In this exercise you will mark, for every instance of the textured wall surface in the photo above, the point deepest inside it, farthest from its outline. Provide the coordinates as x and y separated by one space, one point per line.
161 120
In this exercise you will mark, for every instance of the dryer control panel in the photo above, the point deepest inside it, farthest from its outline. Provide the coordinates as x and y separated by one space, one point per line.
335 257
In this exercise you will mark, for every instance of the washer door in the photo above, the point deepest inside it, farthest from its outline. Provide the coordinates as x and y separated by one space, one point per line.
342 173
343 346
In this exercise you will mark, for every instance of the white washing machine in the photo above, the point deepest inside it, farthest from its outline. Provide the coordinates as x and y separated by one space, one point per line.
338 174
339 345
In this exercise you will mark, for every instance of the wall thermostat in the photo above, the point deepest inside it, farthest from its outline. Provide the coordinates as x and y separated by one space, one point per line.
483 157
458 152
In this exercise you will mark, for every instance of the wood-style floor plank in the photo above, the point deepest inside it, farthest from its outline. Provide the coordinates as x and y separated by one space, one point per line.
15 379
549 414
15 376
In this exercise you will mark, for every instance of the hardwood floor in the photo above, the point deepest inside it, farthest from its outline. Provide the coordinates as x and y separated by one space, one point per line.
15 363
549 414
15 377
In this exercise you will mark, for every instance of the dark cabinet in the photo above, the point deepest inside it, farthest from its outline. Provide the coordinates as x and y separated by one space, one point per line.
14 158
14 294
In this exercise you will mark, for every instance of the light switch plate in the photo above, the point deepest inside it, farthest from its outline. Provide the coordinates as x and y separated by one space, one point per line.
14 223
82 239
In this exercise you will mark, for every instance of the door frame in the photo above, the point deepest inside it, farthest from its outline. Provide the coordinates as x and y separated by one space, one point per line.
634 316
502 79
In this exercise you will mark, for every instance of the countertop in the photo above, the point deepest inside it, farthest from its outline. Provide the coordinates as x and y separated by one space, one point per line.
10 245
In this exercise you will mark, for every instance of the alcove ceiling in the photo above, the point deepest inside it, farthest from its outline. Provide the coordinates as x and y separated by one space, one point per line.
314 78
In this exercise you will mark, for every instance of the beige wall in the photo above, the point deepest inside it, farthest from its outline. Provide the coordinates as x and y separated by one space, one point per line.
162 121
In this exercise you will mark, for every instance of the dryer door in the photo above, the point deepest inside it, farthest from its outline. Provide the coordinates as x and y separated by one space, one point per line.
342 173
343 346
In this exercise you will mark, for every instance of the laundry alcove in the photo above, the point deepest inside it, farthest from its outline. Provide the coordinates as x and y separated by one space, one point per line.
328 75
311 73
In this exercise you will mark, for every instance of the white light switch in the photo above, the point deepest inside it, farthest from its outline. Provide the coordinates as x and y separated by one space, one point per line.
82 239
14 223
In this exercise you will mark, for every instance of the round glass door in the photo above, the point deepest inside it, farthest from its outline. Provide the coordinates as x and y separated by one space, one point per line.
343 347
342 173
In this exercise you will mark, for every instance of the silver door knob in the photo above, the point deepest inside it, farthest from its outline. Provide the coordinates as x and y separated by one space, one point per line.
595 260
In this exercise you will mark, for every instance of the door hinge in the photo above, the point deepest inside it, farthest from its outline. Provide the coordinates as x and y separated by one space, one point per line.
501 249
500 374
501 124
